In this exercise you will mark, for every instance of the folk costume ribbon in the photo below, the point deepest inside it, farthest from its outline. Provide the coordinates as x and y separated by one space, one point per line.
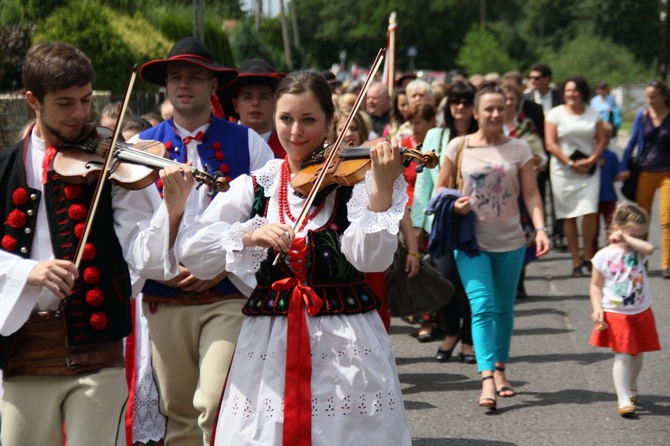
297 429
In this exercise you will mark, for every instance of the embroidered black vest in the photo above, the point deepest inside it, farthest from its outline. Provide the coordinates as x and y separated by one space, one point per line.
341 286
99 308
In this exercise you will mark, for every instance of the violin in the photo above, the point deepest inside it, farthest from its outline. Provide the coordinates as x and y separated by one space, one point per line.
350 165
134 166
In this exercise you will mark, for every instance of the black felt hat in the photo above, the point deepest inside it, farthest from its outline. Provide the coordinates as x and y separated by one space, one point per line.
251 72
333 81
190 50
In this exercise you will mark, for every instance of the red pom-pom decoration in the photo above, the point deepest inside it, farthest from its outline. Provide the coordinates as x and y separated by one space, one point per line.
16 219
89 252
168 145
72 191
91 275
224 168
20 196
228 178
77 212
79 229
159 184
216 145
8 243
98 321
218 156
94 297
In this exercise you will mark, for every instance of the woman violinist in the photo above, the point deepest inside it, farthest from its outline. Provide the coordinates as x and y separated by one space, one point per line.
313 359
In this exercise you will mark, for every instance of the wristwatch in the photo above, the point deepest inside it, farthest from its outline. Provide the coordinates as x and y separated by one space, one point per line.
571 163
541 228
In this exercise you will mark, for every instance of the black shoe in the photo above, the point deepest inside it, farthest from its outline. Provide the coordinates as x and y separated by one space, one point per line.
443 355
467 358
588 266
425 337
559 244
577 271
521 292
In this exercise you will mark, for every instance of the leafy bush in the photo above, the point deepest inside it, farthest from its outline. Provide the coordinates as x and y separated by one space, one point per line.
15 39
176 23
482 53
114 42
597 59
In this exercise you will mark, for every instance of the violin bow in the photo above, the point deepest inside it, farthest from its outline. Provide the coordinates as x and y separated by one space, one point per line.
331 156
105 170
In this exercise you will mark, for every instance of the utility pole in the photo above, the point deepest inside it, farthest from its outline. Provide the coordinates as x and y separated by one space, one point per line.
482 12
293 6
199 20
284 34
665 16
259 15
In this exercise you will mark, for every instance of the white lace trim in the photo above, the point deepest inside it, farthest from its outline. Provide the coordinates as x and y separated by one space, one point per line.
238 258
268 175
372 222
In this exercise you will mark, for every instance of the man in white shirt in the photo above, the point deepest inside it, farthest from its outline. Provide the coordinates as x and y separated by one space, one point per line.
250 99
539 83
194 323
64 275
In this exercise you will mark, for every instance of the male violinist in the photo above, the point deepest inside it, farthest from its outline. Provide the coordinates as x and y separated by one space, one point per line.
194 321
251 99
61 326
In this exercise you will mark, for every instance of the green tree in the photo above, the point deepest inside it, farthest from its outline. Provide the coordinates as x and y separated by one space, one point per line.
112 41
27 11
15 39
177 22
482 53
621 21
596 59
246 44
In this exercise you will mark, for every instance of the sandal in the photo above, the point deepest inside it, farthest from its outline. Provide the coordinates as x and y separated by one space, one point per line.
577 271
504 392
488 403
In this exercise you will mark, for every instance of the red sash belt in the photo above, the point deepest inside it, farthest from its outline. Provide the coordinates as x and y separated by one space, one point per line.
297 429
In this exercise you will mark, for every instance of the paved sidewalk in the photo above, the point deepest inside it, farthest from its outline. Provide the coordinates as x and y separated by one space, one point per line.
565 391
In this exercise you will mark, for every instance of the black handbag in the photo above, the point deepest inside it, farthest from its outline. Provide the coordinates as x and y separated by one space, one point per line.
578 155
629 186
425 292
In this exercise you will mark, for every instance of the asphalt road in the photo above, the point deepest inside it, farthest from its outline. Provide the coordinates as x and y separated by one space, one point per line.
565 393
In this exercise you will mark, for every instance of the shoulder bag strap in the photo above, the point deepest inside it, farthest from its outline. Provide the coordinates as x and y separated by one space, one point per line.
456 181
645 147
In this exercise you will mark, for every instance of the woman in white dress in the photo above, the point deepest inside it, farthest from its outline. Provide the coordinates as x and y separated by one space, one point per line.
313 363
575 137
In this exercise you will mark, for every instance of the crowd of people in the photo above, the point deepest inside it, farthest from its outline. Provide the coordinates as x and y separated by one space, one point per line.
257 312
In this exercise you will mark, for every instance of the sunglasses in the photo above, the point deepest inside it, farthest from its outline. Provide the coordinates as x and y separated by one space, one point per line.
535 78
461 101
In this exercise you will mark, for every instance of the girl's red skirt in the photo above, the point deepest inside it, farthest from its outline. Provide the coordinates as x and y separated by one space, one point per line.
631 334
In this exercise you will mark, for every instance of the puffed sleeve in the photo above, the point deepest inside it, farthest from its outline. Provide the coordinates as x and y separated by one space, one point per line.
141 225
18 298
372 237
214 242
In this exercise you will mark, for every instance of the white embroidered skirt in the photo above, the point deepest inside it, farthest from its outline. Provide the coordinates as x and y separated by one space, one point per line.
356 398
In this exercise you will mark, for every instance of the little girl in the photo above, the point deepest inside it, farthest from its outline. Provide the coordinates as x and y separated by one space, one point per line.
622 303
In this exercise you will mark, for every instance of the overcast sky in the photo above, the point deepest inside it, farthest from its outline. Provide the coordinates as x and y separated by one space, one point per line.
270 7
